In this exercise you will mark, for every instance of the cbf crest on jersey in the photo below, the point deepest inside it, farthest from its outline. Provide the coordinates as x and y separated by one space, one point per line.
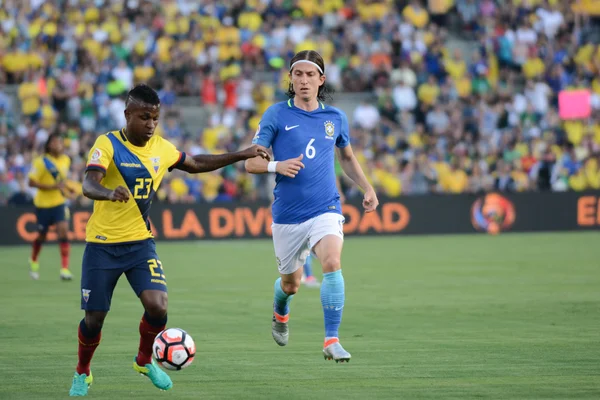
155 163
329 129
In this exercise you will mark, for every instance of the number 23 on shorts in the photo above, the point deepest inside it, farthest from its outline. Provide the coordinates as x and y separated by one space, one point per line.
156 269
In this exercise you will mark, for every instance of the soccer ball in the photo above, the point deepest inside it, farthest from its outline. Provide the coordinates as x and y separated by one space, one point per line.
174 349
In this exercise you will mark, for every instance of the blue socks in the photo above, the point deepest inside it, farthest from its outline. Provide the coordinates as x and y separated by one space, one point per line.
332 299
308 266
282 300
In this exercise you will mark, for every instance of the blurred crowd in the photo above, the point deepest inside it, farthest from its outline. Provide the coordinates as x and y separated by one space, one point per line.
462 94
486 116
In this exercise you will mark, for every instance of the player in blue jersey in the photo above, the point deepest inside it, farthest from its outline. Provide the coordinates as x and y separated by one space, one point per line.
308 278
303 133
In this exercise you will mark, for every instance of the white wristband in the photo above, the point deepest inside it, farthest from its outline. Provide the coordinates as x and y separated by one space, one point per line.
272 166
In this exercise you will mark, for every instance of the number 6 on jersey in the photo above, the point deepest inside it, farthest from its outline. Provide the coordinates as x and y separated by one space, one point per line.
311 152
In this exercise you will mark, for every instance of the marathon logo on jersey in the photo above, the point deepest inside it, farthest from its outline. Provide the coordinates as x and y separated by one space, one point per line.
155 163
85 293
130 165
329 130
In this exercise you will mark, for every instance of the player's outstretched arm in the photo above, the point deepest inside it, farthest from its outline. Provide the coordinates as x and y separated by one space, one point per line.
352 168
93 189
210 162
41 186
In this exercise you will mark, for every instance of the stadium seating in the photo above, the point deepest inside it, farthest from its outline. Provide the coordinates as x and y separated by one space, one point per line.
444 96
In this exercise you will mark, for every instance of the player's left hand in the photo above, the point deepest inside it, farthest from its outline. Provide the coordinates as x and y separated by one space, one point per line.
370 201
256 151
70 193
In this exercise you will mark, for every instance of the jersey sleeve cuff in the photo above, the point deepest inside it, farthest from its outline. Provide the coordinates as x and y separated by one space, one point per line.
95 167
262 142
179 162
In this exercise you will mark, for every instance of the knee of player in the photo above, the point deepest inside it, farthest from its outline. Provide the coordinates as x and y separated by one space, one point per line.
62 228
95 320
290 288
157 307
331 263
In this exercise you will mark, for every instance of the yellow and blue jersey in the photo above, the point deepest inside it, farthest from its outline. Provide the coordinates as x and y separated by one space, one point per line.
49 170
141 170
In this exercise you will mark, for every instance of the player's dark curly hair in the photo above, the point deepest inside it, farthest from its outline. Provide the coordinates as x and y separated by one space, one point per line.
51 137
144 94
325 91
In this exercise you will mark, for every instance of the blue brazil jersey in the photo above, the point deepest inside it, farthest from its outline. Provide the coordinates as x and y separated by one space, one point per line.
291 131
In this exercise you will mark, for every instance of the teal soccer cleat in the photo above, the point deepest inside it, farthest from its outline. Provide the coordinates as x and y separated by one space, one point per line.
157 376
81 384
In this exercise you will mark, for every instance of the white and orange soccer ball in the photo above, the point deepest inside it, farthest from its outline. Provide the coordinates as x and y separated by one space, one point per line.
174 349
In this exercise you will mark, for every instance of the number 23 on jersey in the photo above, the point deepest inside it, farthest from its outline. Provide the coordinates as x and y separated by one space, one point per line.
142 189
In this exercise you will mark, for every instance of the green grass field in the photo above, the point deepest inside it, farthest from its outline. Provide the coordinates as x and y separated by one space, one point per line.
449 317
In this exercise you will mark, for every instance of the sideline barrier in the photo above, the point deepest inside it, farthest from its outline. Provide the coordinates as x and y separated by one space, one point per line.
432 214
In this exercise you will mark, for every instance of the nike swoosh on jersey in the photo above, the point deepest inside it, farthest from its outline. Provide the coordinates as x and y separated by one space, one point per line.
287 128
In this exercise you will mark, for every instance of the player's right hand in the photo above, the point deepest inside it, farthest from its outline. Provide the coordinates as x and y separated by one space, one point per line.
120 194
291 167
256 151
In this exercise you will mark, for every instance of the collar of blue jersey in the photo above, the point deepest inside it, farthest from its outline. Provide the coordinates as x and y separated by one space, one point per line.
291 104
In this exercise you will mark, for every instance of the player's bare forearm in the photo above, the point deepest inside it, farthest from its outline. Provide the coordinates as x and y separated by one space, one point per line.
352 168
354 171
256 165
93 189
41 186
210 162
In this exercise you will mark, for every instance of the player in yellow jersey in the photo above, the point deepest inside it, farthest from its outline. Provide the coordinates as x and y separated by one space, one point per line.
49 175
123 173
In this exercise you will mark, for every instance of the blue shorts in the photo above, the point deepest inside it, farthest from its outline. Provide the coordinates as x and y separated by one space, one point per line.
103 265
46 217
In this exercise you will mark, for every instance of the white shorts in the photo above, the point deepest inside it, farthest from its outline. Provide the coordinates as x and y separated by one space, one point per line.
293 242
